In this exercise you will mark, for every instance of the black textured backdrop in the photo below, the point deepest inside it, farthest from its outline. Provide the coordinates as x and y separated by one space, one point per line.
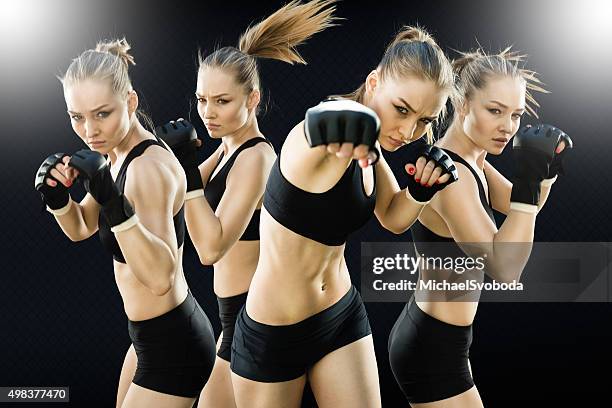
61 317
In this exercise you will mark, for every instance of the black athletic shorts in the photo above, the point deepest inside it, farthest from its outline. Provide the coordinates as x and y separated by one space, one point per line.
429 358
228 312
176 351
266 353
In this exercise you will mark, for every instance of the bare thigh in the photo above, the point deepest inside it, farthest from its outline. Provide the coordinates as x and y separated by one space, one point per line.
139 397
218 391
467 399
254 394
127 374
347 377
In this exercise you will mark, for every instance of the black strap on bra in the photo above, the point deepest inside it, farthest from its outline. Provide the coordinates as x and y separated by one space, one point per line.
230 162
485 198
132 154
215 187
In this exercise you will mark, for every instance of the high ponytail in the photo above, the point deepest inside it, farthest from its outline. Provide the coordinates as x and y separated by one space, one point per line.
276 37
413 51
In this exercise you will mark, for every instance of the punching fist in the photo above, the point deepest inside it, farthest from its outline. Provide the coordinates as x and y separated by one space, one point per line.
556 167
344 122
182 138
54 196
535 152
433 171
95 175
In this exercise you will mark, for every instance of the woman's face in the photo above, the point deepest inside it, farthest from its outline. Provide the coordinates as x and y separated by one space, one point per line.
406 107
492 115
223 105
98 115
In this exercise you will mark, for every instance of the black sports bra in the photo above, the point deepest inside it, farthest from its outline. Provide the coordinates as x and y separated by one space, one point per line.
215 188
106 235
327 217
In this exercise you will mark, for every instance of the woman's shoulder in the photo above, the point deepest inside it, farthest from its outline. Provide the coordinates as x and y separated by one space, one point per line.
261 155
156 161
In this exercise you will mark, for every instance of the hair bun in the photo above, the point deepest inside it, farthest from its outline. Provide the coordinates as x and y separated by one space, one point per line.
119 48
413 34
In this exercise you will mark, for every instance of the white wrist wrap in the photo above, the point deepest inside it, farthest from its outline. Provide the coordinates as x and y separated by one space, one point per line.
63 210
194 194
548 182
526 208
125 225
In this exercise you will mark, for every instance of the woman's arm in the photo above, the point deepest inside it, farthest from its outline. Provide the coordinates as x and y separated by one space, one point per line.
81 219
214 233
507 250
150 247
77 221
431 172
395 209
500 189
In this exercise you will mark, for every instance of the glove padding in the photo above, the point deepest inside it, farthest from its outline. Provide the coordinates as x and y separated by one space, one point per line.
342 121
95 175
533 150
53 197
182 138
556 167
424 194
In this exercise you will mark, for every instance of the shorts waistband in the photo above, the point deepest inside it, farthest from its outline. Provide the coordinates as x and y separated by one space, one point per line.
231 300
321 318
184 308
419 316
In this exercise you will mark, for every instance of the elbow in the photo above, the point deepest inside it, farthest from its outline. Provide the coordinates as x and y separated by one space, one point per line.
209 257
394 223
506 279
81 234
508 276
515 277
161 290
163 286
164 283
396 229
75 237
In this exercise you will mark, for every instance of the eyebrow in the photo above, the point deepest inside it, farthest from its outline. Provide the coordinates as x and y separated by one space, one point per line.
93 110
504 106
410 108
214 96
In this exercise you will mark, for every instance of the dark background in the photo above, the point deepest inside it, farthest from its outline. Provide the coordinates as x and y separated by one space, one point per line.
61 317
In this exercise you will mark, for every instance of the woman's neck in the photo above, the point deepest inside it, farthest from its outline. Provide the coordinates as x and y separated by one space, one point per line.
136 134
457 141
232 141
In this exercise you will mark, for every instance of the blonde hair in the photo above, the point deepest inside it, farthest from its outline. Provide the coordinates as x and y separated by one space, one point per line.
276 37
109 60
473 69
414 52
